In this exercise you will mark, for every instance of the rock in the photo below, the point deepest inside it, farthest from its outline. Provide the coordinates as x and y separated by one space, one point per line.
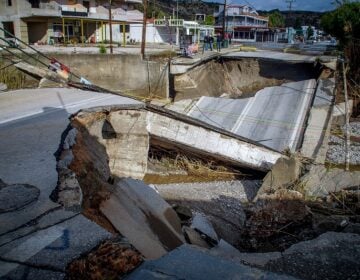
3 87
319 181
283 173
189 262
143 217
202 224
227 251
68 192
183 212
194 238
332 255
17 196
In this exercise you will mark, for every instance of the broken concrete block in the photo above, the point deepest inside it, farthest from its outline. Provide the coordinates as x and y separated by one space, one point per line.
332 255
68 191
319 181
227 251
202 224
284 172
144 218
194 237
190 262
183 212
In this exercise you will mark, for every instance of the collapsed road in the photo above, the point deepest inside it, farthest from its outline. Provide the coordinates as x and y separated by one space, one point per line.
233 227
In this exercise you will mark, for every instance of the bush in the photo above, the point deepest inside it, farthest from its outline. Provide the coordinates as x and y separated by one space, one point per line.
102 49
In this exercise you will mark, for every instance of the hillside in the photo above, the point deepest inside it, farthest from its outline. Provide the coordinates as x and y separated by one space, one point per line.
187 9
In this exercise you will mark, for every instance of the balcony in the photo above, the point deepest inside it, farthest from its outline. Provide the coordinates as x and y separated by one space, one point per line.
74 10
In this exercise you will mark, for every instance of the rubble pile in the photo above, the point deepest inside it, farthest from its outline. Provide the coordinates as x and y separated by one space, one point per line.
337 150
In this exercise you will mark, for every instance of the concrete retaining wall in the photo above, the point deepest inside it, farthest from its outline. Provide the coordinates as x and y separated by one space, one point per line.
122 73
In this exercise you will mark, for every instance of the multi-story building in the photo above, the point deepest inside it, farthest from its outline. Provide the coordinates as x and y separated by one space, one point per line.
47 22
242 22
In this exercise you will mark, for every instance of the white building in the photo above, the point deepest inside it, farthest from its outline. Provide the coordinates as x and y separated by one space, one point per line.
46 22
242 22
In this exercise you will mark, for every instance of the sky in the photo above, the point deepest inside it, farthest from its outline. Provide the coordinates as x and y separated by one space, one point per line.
306 5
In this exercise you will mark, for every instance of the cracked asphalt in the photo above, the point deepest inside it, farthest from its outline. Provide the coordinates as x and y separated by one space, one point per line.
38 239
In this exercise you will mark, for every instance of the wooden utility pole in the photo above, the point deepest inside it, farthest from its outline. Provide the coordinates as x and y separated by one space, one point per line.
143 39
110 26
224 20
347 127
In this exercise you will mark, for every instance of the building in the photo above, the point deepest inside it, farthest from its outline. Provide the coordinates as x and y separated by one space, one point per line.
75 21
242 22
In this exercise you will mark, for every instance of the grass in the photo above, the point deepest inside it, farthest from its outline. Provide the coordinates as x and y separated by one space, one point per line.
197 168
13 78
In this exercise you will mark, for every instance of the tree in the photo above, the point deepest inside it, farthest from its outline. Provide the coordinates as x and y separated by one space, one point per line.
209 20
276 19
344 22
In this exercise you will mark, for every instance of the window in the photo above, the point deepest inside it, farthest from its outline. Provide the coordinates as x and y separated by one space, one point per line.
9 3
127 28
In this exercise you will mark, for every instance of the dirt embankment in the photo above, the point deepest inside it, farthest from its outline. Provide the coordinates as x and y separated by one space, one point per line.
239 77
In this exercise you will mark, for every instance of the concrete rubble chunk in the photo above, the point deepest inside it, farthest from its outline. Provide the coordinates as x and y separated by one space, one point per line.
332 255
68 191
203 225
189 262
283 173
320 181
227 251
144 218
194 237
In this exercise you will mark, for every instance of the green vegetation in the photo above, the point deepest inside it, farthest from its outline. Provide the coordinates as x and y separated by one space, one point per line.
13 78
344 22
276 19
209 20
102 49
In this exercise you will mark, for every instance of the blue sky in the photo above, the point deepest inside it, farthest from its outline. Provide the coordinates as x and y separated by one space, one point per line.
308 5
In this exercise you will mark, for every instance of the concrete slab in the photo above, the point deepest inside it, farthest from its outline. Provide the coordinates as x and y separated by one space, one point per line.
53 247
209 142
221 112
319 121
272 55
190 263
144 218
274 117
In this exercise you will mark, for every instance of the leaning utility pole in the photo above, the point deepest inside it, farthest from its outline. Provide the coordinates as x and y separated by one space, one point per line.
110 26
143 39
224 20
347 126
